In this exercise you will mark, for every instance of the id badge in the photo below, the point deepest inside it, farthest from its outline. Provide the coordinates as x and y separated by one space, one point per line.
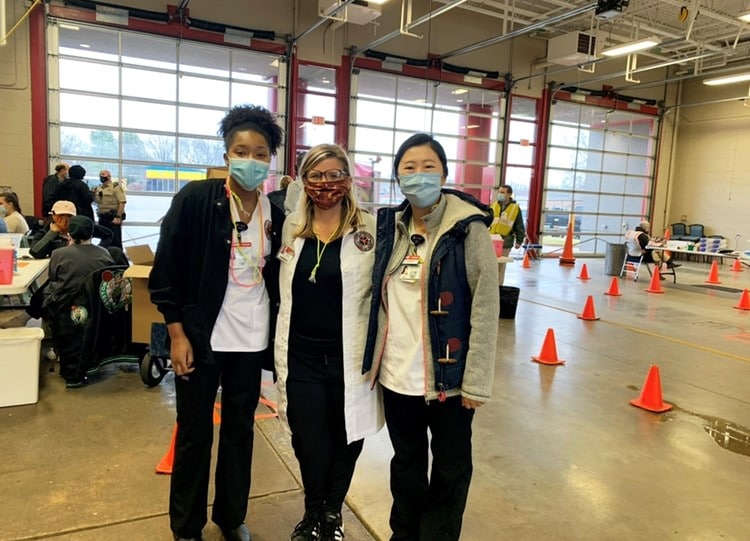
411 273
243 256
286 253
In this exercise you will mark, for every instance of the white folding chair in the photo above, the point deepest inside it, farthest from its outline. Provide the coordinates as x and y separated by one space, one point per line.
633 260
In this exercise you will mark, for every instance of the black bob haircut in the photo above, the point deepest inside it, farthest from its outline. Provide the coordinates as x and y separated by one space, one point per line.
418 140
251 118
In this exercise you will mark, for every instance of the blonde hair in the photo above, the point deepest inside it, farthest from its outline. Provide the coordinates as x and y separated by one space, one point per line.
351 214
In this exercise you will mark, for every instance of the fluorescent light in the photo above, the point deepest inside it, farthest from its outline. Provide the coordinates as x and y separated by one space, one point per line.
744 16
69 27
376 1
728 79
632 47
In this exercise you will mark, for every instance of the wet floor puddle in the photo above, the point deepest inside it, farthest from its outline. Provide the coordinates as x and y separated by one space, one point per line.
727 435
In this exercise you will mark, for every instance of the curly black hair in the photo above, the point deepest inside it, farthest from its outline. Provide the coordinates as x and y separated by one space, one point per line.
254 118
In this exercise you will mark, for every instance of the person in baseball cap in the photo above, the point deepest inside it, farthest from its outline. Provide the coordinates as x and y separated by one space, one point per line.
64 208
57 232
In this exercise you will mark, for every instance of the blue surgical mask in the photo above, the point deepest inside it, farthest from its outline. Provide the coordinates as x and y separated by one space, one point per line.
501 198
422 190
248 173
3 212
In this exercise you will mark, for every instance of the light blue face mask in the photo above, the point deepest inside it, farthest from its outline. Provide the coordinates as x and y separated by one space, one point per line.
422 190
3 212
501 198
248 173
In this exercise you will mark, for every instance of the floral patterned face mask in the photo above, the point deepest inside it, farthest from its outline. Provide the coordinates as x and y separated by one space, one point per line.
327 194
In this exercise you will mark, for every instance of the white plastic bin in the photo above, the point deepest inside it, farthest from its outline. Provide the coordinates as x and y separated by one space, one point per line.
19 365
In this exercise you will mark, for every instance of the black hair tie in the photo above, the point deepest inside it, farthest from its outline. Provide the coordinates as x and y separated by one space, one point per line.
241 226
416 240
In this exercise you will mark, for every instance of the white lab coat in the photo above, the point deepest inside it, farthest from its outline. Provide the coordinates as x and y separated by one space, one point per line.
363 410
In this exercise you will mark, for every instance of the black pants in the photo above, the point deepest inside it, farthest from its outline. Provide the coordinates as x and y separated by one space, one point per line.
315 394
428 509
239 374
106 220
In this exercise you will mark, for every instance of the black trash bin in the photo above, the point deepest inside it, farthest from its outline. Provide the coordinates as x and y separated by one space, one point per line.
613 258
508 301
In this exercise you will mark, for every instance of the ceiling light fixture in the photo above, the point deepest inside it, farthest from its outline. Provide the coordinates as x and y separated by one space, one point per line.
744 16
727 79
632 47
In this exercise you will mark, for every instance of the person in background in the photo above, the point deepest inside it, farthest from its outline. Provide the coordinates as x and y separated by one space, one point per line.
277 197
432 338
110 202
10 211
295 188
215 280
68 267
637 240
326 258
508 223
51 185
58 236
76 190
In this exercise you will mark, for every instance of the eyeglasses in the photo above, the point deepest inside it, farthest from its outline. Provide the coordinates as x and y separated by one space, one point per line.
331 175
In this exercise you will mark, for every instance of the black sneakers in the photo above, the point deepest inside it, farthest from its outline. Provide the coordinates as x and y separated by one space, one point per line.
331 527
308 529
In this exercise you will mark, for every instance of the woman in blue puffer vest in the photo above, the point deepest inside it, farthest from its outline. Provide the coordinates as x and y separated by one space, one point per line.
432 338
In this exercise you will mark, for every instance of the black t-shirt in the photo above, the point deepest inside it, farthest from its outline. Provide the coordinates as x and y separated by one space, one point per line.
316 307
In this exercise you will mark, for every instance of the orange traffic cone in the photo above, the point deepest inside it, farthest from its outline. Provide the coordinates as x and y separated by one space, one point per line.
737 266
526 261
165 464
614 287
651 398
567 256
584 273
548 355
655 285
744 301
588 310
713 274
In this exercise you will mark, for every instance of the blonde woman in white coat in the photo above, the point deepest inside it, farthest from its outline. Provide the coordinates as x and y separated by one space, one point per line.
327 255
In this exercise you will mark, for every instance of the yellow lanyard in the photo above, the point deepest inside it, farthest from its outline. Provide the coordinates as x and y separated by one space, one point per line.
319 252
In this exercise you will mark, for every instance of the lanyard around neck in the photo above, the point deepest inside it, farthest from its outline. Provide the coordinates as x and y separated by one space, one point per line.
257 275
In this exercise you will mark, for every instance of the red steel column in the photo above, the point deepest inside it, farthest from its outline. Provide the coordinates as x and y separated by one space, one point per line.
39 128
536 186
474 150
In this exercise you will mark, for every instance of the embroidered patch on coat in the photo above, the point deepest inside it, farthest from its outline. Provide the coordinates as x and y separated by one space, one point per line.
115 291
364 241
79 315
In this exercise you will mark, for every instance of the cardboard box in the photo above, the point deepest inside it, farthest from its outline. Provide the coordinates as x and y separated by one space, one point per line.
19 365
144 312
140 254
217 172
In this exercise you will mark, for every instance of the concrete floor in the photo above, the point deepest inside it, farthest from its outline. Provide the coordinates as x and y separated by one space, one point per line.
560 454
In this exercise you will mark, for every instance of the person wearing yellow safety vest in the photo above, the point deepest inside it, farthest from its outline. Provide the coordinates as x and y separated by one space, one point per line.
508 223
